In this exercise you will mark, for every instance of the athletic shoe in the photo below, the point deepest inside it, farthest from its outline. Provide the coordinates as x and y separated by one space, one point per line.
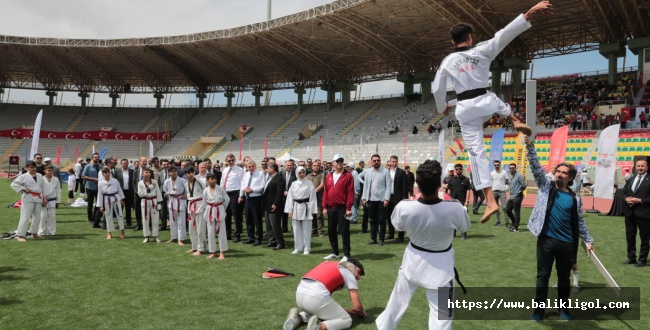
293 320
514 230
345 258
157 239
306 252
313 323
564 314
575 290
146 240
331 256
296 251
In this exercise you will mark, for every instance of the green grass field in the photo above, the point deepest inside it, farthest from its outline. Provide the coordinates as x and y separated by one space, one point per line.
80 280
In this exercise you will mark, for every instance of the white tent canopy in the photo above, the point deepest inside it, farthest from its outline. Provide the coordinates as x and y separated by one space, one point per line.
286 157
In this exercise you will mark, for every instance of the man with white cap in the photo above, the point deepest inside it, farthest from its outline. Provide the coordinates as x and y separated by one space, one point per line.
314 292
338 198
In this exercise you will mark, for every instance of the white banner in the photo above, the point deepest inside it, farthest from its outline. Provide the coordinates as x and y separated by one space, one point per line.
441 152
36 135
150 149
606 163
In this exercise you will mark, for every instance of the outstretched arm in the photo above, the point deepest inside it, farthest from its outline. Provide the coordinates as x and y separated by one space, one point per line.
357 307
542 8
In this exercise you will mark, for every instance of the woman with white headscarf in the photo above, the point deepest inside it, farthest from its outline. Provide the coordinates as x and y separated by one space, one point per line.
301 205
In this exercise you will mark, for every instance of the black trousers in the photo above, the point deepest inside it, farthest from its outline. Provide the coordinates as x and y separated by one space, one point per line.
137 202
276 237
336 219
364 222
551 250
253 210
236 210
91 196
479 197
389 214
80 186
377 214
513 206
164 213
631 225
128 205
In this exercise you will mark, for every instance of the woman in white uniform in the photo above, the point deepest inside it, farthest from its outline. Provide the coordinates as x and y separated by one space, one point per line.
215 198
301 206
110 201
151 196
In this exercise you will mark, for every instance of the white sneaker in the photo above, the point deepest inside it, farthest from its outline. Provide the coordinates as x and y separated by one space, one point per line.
293 320
306 252
313 323
146 240
331 256
296 251
344 259
304 316
157 239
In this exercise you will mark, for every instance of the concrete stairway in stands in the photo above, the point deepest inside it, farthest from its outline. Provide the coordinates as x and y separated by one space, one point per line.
359 119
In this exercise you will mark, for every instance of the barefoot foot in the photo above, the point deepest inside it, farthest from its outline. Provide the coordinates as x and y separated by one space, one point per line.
109 236
122 233
521 127
489 210
190 250
212 255
21 239
197 253
180 243
221 256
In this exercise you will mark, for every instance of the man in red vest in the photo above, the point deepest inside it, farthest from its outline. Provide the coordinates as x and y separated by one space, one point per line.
314 296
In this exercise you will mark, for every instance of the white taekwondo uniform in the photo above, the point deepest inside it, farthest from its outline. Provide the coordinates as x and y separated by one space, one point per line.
215 214
48 213
149 205
469 70
175 192
302 203
429 227
109 195
32 202
195 207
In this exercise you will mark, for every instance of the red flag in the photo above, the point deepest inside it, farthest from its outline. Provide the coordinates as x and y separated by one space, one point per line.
58 156
265 147
558 146
453 152
460 145
76 154
320 148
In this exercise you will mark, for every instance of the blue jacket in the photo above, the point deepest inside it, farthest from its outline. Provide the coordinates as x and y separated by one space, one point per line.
546 198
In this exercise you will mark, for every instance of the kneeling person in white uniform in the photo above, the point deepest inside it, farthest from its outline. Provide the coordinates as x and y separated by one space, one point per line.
428 260
314 296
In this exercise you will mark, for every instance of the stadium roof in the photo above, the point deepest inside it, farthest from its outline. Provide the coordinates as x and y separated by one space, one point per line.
346 40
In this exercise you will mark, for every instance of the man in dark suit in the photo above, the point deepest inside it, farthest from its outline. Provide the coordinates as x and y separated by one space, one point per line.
273 206
637 213
410 180
163 174
138 174
289 176
125 176
399 192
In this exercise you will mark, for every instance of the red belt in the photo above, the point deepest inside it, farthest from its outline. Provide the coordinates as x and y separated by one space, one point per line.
212 206
178 201
192 207
35 194
153 205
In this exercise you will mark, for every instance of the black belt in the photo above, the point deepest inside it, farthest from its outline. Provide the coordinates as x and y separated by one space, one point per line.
441 251
306 200
470 94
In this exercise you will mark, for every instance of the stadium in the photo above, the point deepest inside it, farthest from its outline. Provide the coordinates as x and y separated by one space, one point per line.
79 279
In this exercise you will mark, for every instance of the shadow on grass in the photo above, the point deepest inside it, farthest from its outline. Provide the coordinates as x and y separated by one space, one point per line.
5 301
375 256
242 254
9 277
373 314
69 236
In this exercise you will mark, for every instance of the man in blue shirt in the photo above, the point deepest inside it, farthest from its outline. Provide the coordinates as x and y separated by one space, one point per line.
90 174
557 222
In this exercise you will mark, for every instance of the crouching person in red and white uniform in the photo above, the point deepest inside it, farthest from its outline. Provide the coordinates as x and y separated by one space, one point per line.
313 296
